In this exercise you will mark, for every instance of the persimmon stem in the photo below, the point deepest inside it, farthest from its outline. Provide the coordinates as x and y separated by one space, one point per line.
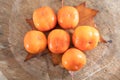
29 56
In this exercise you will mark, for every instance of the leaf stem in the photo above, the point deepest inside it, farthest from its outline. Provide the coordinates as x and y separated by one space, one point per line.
72 74
62 2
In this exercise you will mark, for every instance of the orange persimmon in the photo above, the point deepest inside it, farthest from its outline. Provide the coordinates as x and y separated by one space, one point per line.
35 42
58 41
44 18
68 17
85 37
73 59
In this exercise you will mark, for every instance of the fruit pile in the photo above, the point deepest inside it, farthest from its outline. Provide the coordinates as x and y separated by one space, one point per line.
61 41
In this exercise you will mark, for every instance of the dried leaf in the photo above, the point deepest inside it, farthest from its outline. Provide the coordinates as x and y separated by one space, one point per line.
56 58
30 22
102 39
86 18
89 22
29 56
86 15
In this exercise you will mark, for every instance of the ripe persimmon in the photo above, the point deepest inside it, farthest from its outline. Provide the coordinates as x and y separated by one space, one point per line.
35 42
44 18
73 59
68 17
85 37
58 41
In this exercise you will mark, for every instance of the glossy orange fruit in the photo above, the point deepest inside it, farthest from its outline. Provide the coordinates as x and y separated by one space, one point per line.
85 37
58 41
44 18
68 17
73 59
35 42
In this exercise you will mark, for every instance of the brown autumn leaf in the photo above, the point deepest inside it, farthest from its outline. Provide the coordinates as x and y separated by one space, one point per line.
29 56
30 22
56 58
103 40
86 15
86 18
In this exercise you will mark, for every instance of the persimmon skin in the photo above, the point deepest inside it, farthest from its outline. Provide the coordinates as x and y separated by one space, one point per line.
35 42
85 37
73 59
68 17
44 18
58 41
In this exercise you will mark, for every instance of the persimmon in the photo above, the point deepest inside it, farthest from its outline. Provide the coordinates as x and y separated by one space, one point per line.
58 41
85 37
68 17
44 18
73 59
35 42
